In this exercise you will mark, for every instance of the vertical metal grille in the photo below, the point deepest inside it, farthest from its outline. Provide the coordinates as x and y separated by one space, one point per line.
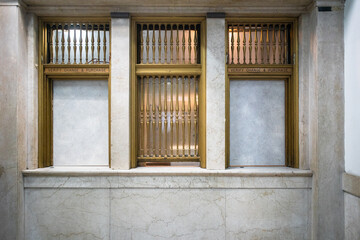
168 117
259 43
78 43
162 43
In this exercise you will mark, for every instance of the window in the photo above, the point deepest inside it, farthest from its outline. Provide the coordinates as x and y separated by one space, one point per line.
73 92
168 88
262 93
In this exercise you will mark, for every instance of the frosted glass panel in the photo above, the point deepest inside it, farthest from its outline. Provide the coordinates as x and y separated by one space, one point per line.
257 122
80 122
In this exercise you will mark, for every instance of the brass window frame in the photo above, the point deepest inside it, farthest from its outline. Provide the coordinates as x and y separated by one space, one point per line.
50 72
165 70
287 72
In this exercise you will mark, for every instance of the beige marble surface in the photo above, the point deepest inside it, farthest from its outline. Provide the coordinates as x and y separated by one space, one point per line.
215 93
168 212
352 217
67 214
120 93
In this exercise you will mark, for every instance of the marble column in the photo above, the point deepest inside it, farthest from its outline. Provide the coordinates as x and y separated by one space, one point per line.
13 117
326 77
120 93
215 93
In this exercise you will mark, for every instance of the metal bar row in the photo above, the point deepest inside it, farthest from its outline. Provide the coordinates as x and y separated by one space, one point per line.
78 43
168 43
259 43
168 112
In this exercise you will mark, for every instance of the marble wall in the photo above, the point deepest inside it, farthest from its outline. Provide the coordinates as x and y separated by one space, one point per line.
166 207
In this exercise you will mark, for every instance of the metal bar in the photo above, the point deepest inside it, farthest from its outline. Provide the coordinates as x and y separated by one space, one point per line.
141 44
189 115
177 115
142 95
56 43
189 44
171 119
153 45
62 43
165 44
69 44
87 44
51 43
286 45
177 44
244 45
153 117
98 44
274 43
262 55
92 42
183 114
165 110
256 45
196 115
75 43
80 43
267 44
195 46
232 45
159 43
104 43
171 45
160 116
148 118
250 45
238 44
147 43
183 44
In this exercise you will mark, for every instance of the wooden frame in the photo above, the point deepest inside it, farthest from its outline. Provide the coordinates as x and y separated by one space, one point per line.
164 70
288 72
48 72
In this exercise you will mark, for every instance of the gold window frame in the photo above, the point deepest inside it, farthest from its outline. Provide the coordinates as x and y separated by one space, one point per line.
167 70
49 72
286 72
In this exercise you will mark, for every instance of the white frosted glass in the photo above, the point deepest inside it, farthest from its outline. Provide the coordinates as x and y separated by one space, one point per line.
257 122
80 122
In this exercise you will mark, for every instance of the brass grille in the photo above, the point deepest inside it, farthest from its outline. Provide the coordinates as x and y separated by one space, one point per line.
165 43
78 43
259 43
168 118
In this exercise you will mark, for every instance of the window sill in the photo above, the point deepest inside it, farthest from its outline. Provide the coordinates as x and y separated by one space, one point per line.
170 171
168 178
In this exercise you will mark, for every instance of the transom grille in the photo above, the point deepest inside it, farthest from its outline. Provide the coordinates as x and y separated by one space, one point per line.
78 43
259 43
168 43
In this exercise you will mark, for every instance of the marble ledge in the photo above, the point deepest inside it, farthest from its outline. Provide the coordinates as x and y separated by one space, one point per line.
169 178
351 184
170 171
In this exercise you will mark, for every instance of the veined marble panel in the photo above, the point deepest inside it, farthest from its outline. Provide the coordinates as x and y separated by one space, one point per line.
67 214
352 217
268 214
167 214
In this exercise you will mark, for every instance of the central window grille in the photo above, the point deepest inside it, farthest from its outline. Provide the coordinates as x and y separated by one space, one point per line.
168 117
78 43
168 79
257 43
168 43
